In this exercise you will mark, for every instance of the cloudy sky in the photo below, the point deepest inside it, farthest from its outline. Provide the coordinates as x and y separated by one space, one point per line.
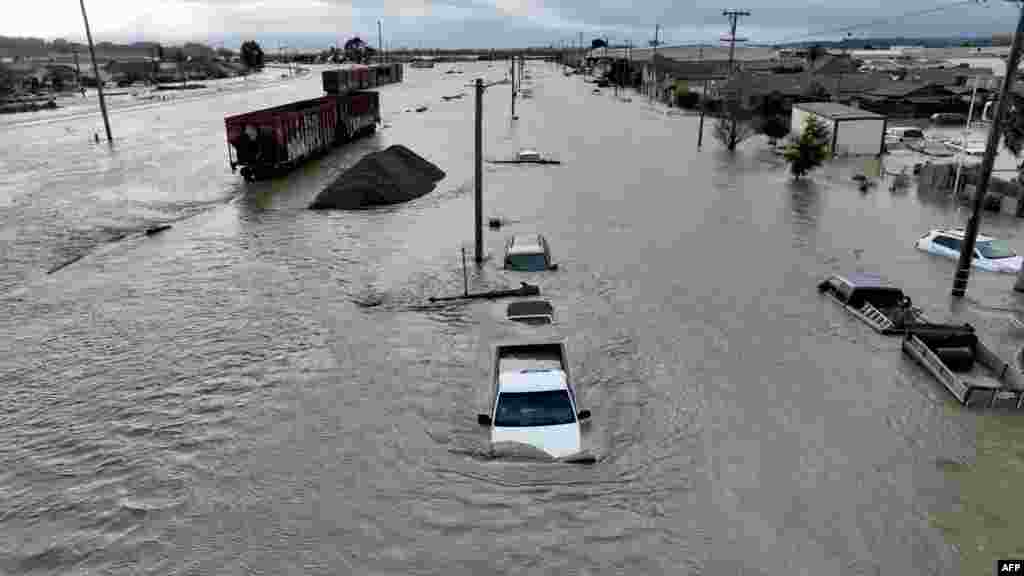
491 23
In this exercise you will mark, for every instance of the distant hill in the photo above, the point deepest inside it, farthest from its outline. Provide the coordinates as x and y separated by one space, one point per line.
38 47
884 43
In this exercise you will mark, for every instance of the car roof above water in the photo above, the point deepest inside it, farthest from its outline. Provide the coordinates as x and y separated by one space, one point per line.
864 280
526 244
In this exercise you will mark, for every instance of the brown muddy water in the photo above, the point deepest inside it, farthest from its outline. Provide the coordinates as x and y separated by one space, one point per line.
264 389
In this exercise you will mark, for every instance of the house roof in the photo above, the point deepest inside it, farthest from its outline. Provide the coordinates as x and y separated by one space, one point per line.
903 88
689 53
836 111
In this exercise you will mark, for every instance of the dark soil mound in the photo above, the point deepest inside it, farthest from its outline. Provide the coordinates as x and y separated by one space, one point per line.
389 176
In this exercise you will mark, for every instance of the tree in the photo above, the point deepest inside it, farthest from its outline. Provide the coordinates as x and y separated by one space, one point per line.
808 150
598 43
252 54
774 127
355 49
735 125
6 79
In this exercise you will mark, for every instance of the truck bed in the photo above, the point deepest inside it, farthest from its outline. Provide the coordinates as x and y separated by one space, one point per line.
514 358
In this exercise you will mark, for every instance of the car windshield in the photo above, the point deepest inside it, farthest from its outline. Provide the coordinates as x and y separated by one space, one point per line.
521 409
995 250
526 262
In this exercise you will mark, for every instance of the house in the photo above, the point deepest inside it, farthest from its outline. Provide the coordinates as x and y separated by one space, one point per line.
660 70
855 132
910 99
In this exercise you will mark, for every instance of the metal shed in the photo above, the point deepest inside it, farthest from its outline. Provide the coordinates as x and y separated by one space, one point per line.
855 132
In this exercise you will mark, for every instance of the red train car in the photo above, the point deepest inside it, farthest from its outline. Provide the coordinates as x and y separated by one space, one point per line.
279 138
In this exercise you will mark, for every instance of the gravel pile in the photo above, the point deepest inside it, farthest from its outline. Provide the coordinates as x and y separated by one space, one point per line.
389 176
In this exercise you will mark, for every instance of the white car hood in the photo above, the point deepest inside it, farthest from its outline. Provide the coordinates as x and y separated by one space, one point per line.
556 441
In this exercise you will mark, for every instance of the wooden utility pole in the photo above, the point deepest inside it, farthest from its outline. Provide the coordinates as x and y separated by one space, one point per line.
734 16
380 44
513 76
703 107
96 71
479 171
654 63
963 269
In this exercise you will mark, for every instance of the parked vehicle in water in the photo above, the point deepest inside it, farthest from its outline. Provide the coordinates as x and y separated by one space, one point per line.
972 373
531 312
528 253
534 402
876 302
948 118
905 134
989 253
529 154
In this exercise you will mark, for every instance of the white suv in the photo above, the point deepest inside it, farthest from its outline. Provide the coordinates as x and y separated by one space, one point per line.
989 253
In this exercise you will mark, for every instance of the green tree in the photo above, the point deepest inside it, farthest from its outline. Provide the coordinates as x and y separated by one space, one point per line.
252 54
598 43
808 150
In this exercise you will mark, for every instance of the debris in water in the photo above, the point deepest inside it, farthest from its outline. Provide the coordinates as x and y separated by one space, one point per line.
157 229
421 109
390 176
495 223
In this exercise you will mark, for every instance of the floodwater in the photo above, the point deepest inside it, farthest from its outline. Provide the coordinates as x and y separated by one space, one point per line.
264 389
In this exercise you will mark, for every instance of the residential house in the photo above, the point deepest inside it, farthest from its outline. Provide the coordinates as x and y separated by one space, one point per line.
910 99
661 70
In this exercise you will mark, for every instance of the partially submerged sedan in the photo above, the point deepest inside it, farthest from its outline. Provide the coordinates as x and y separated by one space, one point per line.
989 253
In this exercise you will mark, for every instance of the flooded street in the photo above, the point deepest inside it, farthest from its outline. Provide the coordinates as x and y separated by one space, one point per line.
264 389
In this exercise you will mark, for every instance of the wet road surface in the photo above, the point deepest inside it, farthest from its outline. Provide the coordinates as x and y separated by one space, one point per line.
264 389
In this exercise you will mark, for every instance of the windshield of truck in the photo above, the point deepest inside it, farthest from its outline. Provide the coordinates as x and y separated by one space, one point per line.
521 409
526 262
994 250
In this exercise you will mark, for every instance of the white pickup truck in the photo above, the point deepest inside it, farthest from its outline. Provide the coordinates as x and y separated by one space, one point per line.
534 401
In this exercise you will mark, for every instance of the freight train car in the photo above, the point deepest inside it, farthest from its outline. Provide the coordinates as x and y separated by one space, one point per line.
358 77
277 139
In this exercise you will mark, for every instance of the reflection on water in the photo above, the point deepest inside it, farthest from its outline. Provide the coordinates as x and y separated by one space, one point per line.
804 210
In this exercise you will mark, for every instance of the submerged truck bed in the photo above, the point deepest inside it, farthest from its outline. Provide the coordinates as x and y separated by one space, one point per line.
513 358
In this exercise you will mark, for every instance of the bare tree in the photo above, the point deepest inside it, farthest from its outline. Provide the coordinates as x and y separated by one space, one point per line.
736 122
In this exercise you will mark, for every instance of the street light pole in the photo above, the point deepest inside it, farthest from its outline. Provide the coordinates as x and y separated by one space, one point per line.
96 72
963 268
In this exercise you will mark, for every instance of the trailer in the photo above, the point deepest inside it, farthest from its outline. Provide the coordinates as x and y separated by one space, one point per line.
277 139
970 370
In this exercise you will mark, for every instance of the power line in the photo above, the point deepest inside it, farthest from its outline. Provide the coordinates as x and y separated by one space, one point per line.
880 21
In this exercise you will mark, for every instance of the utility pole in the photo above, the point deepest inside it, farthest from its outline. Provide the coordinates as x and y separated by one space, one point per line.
734 16
654 62
78 73
703 107
479 171
380 44
513 76
963 271
96 71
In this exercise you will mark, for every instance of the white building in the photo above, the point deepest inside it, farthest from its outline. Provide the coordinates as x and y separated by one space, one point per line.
855 132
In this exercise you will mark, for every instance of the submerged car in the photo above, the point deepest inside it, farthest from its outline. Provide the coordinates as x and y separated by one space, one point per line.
989 253
534 401
528 253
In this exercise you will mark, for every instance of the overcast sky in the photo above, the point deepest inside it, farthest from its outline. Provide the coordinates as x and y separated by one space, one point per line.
487 23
